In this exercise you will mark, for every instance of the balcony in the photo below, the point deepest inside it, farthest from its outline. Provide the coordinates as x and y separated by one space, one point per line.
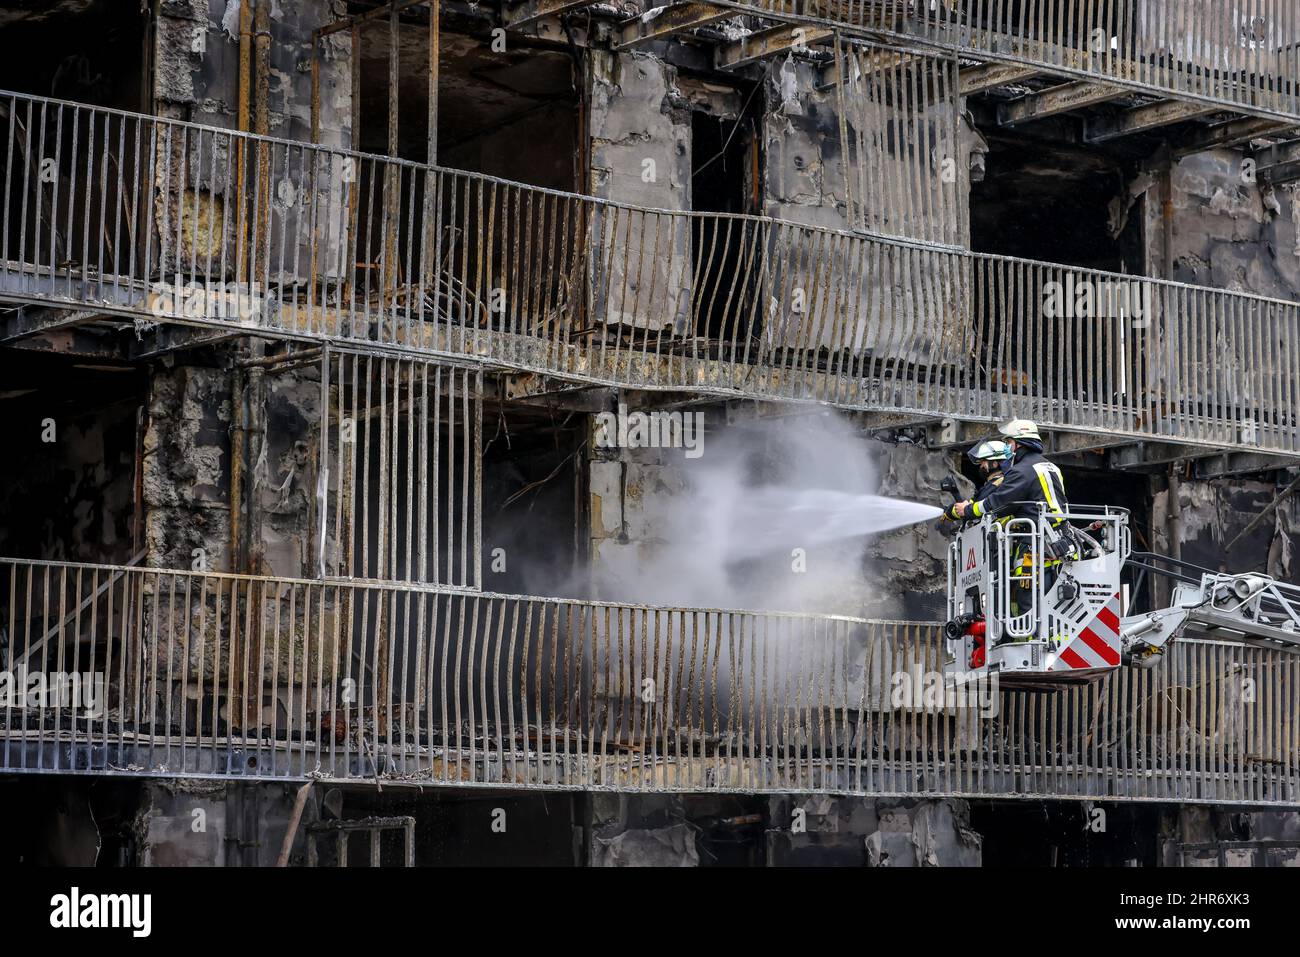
214 675
117 216
1241 55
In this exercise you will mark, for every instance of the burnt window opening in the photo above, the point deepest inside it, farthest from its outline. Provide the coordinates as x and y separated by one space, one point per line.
68 484
1060 834
1053 204
1049 202
724 179
80 52
512 114
504 255
532 500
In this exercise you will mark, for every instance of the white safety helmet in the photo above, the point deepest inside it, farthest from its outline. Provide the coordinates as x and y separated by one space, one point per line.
990 450
1021 429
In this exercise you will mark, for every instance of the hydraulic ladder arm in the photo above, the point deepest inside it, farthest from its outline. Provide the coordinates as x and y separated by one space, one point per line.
1254 609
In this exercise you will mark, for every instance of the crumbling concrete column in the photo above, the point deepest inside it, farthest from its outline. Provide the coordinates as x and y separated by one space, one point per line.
640 154
193 823
634 830
187 471
873 832
197 77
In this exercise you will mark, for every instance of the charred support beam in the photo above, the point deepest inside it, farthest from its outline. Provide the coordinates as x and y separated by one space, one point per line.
1268 510
533 389
1141 455
1227 464
875 421
1279 164
1144 118
648 399
83 342
1073 443
169 337
739 413
666 21
1091 450
1013 50
990 76
530 11
952 433
34 321
756 46
1281 175
384 10
1232 133
1279 154
1058 99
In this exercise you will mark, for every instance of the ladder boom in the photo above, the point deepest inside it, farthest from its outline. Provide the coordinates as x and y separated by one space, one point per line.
1254 609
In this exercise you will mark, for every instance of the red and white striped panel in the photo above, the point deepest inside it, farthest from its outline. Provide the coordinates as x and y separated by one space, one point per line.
1097 645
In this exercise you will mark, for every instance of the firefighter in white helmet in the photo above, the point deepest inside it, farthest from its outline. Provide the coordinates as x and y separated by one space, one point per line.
992 456
1027 480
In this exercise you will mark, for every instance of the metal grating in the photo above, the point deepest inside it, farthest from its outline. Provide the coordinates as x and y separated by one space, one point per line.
403 480
219 675
221 229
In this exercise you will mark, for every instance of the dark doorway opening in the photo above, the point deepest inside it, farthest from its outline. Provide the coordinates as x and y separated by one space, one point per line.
1128 490
1066 834
93 52
512 113
67 484
724 178
1052 202
532 486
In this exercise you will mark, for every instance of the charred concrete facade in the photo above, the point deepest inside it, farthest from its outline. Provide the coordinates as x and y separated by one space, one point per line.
316 314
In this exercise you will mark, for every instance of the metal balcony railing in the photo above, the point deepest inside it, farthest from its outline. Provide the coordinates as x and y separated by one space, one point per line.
216 675
117 213
1240 54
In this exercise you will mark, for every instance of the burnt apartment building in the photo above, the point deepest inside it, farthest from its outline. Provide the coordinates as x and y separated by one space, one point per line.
335 340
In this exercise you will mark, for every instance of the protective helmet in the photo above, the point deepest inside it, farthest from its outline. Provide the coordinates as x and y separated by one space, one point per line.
990 450
1020 430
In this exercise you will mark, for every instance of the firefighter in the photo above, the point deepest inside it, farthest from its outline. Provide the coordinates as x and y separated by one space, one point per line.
1028 480
992 456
